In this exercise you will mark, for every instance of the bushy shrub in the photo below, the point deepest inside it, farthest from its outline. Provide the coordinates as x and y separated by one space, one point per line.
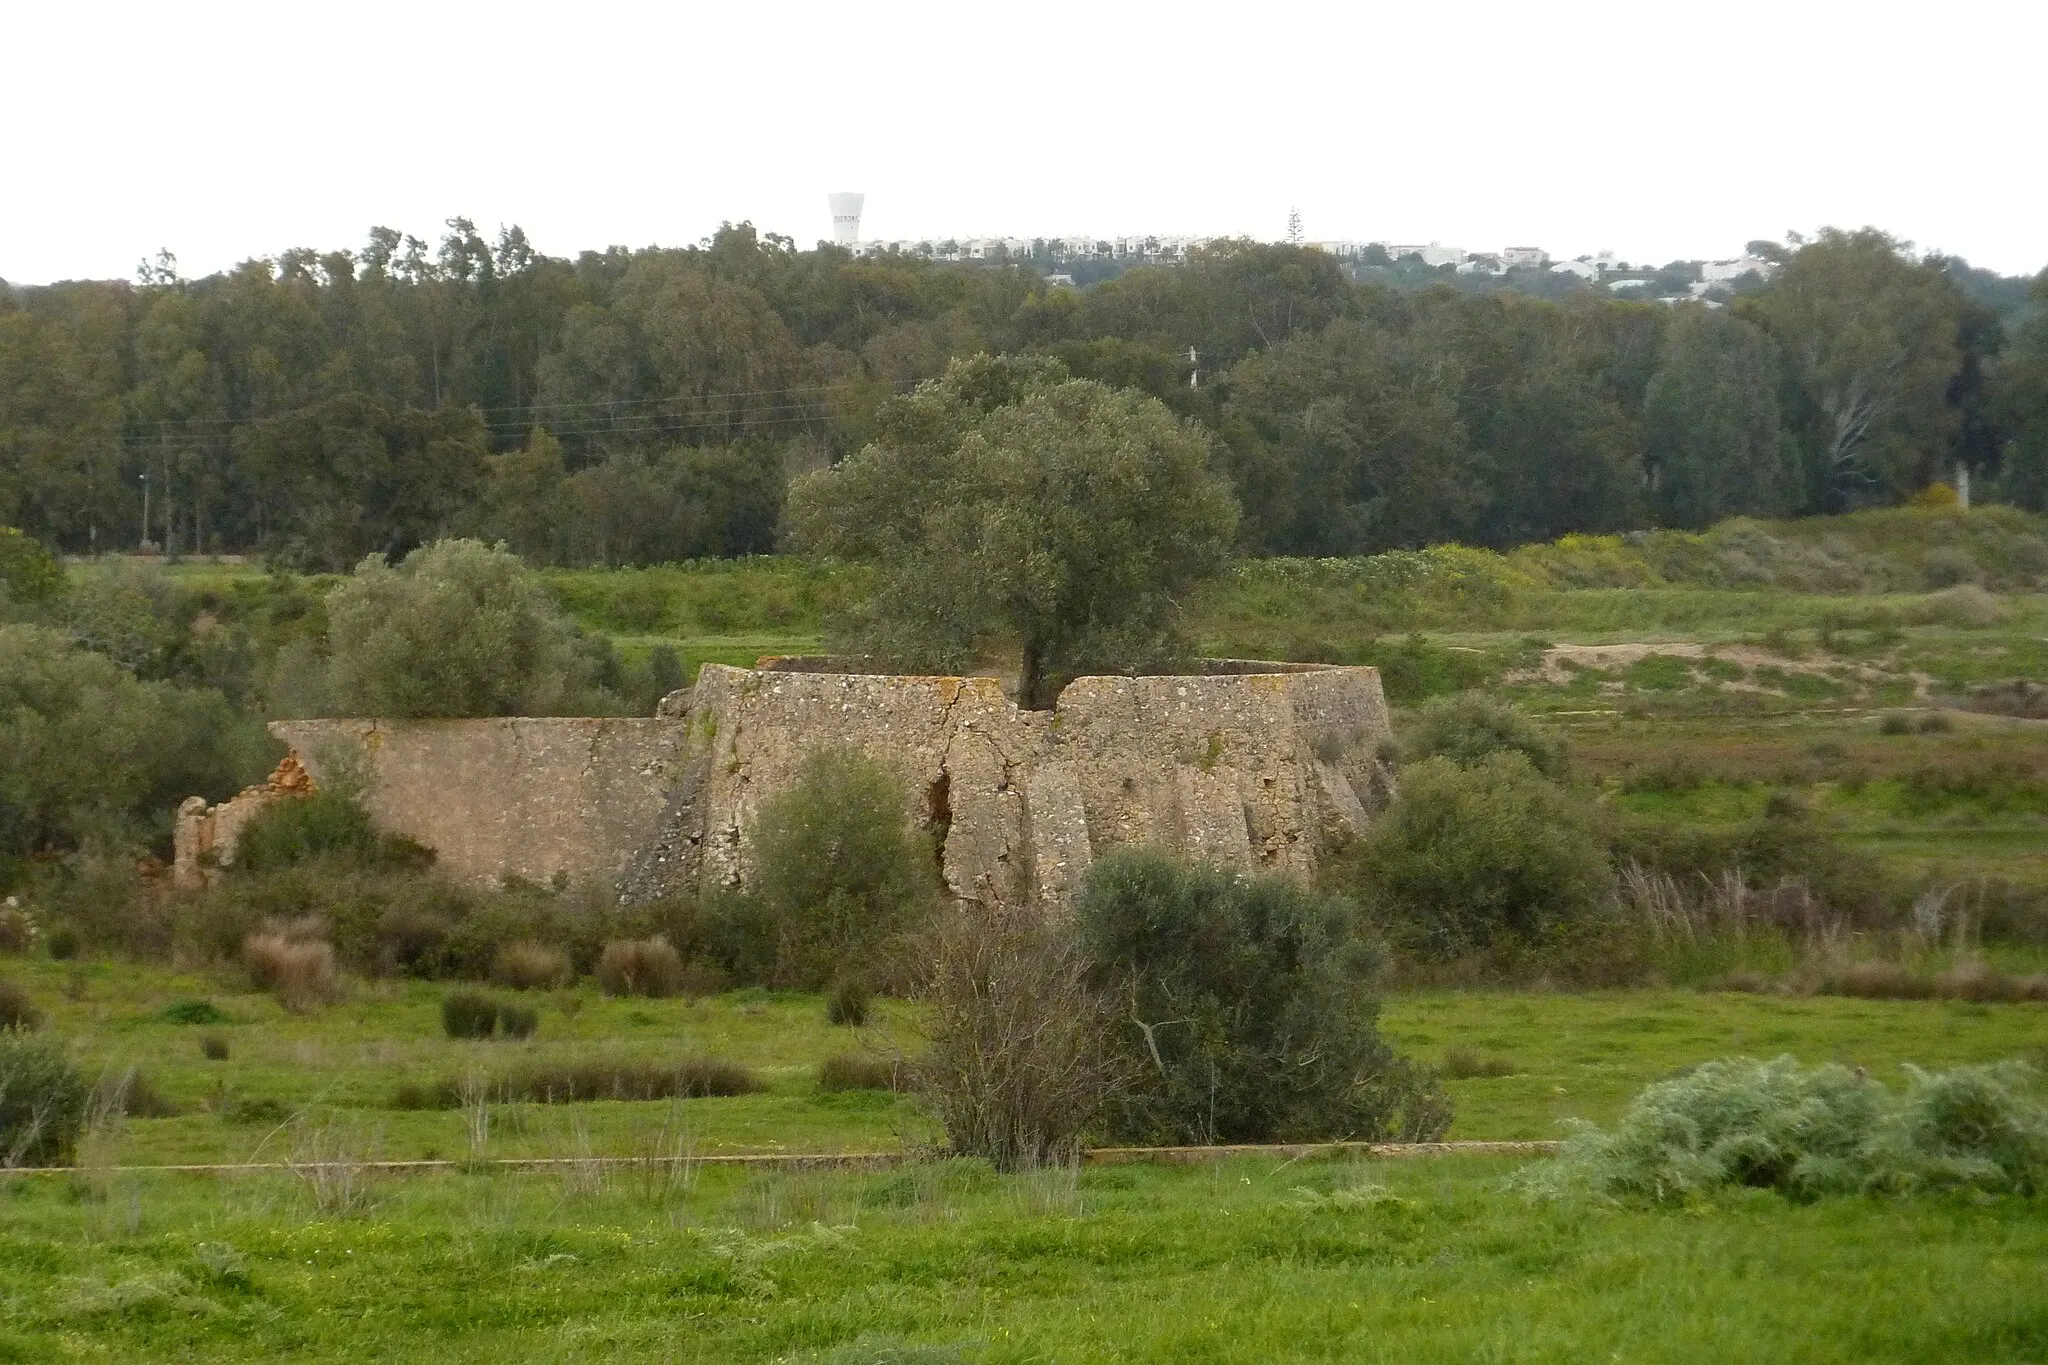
847 1003
298 970
457 629
469 1014
1470 858
852 1071
1017 1067
840 870
1810 1132
213 1047
18 1012
327 824
1468 726
1248 1008
525 965
516 1020
649 967
42 1100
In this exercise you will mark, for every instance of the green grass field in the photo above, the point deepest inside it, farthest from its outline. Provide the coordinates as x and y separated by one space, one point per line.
1251 1260
1570 1056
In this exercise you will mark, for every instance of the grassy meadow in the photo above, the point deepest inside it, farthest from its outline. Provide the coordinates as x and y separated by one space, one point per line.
1251 1260
1254 1259
1558 1055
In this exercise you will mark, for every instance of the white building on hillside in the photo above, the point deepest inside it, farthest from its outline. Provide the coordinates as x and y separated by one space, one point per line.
1721 272
1435 255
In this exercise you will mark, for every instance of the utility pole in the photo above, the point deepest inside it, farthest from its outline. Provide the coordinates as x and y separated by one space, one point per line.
144 547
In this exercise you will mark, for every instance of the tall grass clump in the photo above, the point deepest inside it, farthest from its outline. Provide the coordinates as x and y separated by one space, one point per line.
649 967
853 1071
478 1014
525 965
848 1003
43 1098
578 1082
18 1012
1827 1130
298 969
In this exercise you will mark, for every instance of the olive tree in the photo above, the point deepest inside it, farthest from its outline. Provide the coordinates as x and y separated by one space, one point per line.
458 629
1007 506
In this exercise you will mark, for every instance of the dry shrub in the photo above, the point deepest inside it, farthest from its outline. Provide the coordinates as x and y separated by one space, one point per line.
527 966
646 966
853 1071
213 1047
1979 980
299 972
1016 1070
1876 981
17 928
132 1093
1745 981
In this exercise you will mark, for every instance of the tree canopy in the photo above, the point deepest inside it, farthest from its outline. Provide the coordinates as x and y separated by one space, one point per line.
632 406
1010 506
457 628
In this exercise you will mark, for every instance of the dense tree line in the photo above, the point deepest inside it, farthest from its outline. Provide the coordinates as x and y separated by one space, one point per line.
631 407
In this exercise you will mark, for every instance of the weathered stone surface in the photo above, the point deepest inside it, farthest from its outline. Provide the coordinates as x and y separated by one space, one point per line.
1253 765
532 798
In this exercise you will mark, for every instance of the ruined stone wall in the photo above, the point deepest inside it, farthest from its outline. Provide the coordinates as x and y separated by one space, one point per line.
532 798
1260 766
1254 769
204 837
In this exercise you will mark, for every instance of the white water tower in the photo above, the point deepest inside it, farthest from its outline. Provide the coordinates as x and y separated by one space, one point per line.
846 218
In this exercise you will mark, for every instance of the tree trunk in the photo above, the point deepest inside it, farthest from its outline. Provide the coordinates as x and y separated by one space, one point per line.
1031 677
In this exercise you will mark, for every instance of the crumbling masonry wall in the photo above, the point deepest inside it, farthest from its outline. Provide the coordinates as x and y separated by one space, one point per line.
1250 765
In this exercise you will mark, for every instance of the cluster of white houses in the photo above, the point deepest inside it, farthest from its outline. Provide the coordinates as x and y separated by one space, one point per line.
1600 268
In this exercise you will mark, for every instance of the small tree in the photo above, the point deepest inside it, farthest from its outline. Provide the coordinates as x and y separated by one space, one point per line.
1009 506
1467 858
458 629
839 868
1247 1009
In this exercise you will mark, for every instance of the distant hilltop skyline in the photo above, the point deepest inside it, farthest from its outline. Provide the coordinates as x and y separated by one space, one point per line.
847 207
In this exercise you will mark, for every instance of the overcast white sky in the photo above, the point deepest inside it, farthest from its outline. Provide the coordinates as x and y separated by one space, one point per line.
1664 129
